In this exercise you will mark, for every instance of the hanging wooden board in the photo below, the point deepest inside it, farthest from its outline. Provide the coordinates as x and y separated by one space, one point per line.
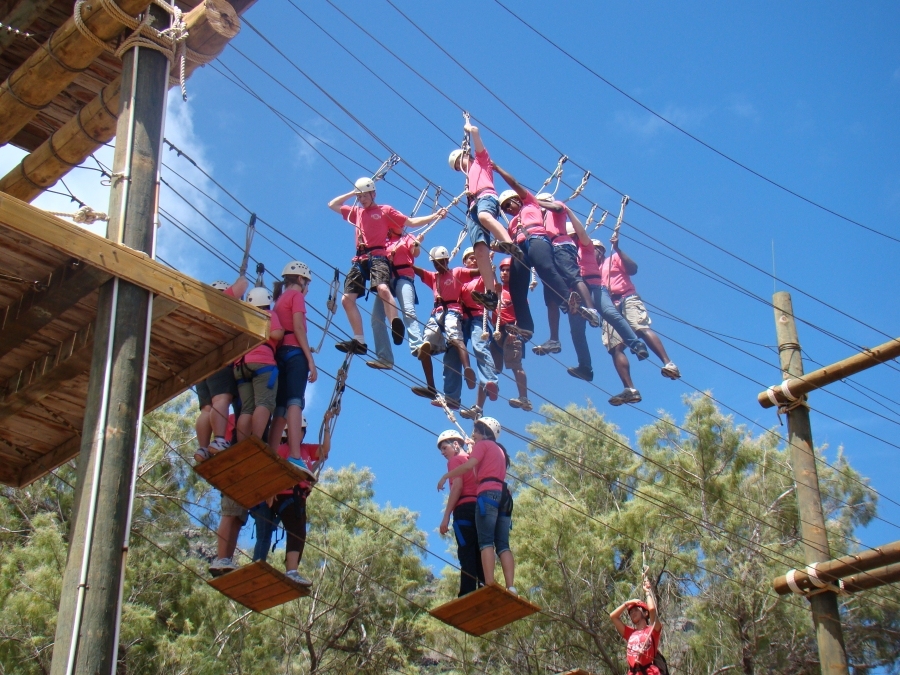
488 608
577 671
249 472
259 586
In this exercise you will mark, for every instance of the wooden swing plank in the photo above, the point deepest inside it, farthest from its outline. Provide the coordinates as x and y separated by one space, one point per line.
488 608
259 586
577 671
249 472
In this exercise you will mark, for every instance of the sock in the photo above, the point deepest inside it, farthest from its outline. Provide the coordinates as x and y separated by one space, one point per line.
360 338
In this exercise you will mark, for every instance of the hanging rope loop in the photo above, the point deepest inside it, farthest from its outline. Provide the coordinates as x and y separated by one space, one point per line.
420 201
625 200
581 186
557 174
331 306
329 420
450 416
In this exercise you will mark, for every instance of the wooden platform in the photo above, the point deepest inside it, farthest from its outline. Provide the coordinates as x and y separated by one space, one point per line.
50 273
488 608
577 671
249 472
259 586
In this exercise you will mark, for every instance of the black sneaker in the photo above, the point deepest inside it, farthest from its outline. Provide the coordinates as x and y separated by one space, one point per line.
425 392
398 331
582 373
351 347
641 351
488 300
627 396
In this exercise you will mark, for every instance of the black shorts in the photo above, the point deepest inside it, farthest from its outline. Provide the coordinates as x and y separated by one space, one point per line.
379 273
222 382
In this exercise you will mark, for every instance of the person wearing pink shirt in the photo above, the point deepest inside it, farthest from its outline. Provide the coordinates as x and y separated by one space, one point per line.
642 650
616 272
461 505
494 504
444 327
509 350
482 216
374 224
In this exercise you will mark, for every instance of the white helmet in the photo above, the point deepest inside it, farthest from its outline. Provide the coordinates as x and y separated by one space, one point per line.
221 285
597 242
454 158
365 185
297 268
545 196
450 435
491 424
506 195
260 297
570 228
469 251
439 253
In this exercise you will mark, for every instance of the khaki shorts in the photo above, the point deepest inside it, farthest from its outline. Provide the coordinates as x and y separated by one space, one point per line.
254 389
513 351
452 331
635 314
229 507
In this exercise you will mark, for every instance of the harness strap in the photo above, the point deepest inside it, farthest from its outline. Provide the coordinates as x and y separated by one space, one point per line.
457 528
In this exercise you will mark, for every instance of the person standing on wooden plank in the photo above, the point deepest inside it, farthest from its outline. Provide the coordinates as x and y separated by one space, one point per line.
643 640
616 272
482 217
294 358
256 373
374 225
461 504
216 393
494 503
509 350
232 517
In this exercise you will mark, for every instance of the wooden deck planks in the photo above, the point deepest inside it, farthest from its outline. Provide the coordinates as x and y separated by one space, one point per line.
259 586
488 608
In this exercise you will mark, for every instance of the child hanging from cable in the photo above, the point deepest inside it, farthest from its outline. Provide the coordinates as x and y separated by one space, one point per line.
642 650
374 224
509 349
482 217
444 326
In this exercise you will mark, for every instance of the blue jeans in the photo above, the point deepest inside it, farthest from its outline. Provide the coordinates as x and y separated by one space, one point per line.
540 255
265 528
603 304
476 231
485 370
493 528
519 280
293 371
405 294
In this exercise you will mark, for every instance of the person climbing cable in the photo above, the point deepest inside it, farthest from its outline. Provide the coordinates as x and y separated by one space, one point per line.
509 350
374 223
616 272
643 640
483 213
494 504
461 504
444 327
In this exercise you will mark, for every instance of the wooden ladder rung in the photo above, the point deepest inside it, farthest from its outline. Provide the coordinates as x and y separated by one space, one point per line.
488 608
259 586
249 472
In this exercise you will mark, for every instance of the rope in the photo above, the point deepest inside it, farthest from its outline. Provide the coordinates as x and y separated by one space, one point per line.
450 416
625 200
497 334
420 201
484 327
85 215
590 217
331 305
462 236
602 220
251 230
557 174
437 196
466 145
581 186
329 420
386 166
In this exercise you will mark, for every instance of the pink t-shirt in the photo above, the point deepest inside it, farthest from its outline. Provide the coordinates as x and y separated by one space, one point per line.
614 276
555 222
529 222
470 487
265 353
308 451
448 285
471 307
291 302
374 224
230 291
480 176
401 253
507 311
587 262
642 646
491 464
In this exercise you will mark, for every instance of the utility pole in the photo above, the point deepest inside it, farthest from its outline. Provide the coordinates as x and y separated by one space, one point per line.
826 619
87 631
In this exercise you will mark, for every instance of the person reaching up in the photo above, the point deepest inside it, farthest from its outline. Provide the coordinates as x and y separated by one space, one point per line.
643 640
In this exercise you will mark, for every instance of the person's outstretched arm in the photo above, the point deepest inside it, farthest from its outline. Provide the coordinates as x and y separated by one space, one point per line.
512 182
629 264
336 203
616 616
477 143
651 605
440 214
582 234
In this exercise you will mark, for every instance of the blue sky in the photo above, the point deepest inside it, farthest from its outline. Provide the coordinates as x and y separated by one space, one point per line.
805 94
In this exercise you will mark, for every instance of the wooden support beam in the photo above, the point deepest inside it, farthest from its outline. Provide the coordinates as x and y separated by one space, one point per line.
61 290
211 24
20 17
832 570
41 467
53 66
880 576
800 386
133 266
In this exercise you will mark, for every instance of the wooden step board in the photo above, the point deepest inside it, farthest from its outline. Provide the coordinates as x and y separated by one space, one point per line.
249 472
577 671
488 608
259 586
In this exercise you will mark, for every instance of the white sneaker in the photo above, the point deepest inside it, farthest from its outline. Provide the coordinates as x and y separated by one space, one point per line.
201 455
218 445
512 589
671 371
294 576
222 566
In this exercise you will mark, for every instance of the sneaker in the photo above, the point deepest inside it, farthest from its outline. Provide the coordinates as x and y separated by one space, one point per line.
352 347
512 589
221 566
669 370
201 455
641 352
582 373
573 303
453 404
549 347
469 376
218 445
294 576
303 467
398 331
492 389
425 392
526 404
378 364
488 300
592 316
472 413
627 396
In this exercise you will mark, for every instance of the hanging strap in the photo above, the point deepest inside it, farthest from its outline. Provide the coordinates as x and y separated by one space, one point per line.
457 528
334 406
581 186
251 230
331 306
625 200
557 174
601 221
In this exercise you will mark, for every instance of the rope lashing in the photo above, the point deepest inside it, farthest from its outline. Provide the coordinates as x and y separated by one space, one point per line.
450 416
581 186
334 406
466 145
251 231
625 200
497 334
331 306
260 274
601 221
484 327
821 586
85 215
386 166
590 217
420 201
557 174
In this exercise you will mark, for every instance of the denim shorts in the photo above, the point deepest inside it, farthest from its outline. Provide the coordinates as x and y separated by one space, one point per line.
493 528
292 379
476 231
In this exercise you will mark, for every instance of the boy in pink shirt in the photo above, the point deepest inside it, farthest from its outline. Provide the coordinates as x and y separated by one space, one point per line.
510 349
643 640
374 225
482 217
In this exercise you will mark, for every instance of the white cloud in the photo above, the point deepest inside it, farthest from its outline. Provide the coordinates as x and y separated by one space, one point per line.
305 144
743 108
646 126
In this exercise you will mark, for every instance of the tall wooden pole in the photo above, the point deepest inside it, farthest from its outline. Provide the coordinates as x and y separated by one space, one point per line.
827 620
87 629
